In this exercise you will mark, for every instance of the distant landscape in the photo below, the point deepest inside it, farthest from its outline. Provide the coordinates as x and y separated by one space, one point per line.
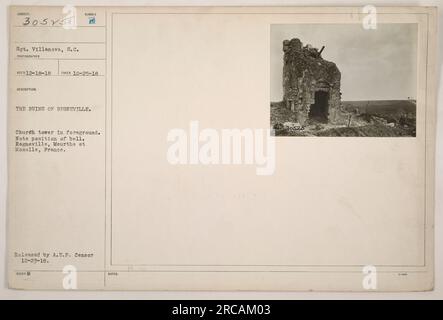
393 107
376 118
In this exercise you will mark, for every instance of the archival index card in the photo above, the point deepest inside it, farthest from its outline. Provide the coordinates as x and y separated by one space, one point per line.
221 148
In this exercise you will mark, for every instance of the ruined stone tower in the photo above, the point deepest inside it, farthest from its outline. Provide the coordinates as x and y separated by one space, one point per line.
311 85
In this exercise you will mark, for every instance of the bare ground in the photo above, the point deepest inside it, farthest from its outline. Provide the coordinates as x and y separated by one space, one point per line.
386 124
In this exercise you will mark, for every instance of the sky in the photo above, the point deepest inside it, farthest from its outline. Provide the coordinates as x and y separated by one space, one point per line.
378 64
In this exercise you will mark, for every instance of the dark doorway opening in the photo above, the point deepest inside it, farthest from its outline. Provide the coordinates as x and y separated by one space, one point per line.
319 110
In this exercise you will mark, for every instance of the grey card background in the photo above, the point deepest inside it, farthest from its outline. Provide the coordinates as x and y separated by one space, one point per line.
13 294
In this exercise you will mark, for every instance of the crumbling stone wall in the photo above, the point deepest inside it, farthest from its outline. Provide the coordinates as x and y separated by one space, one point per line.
305 72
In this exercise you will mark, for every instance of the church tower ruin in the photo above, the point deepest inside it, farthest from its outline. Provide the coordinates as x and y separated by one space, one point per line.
311 85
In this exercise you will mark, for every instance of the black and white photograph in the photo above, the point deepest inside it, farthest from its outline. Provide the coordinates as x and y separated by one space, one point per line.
343 80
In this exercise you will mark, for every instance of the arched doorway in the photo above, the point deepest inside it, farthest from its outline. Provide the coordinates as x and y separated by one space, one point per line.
319 110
